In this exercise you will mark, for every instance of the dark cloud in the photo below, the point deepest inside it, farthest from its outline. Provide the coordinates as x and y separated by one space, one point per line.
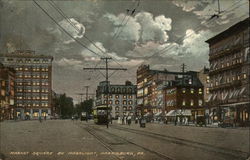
24 25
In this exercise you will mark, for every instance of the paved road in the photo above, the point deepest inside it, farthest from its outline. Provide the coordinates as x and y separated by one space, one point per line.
65 139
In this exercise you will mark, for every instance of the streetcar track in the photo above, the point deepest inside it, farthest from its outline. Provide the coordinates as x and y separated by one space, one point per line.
180 141
140 146
100 140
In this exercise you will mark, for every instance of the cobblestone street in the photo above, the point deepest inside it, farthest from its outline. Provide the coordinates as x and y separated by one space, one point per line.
66 139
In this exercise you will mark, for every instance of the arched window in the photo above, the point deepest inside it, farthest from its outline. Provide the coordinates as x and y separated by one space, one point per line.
124 90
124 108
117 108
130 90
116 102
118 90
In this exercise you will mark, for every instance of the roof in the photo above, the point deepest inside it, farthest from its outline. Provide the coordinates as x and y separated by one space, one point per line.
25 54
233 29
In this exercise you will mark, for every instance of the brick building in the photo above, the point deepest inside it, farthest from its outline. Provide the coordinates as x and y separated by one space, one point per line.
7 92
184 97
229 74
33 81
121 98
150 97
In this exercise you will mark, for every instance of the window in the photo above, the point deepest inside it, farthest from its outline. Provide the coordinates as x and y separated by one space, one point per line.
117 108
130 96
130 102
183 103
118 90
124 96
244 75
200 102
116 102
3 92
200 91
117 96
105 101
191 102
110 102
124 102
207 90
110 96
130 108
124 90
124 108
130 90
192 90
208 79
183 90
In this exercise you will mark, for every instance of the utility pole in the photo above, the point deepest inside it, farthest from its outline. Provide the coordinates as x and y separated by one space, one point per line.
87 89
106 78
82 94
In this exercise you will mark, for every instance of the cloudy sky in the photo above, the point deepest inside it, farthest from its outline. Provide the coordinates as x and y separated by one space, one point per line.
162 33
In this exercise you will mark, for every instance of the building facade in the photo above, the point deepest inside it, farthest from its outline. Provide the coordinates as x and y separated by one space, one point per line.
7 93
121 98
33 83
229 74
184 98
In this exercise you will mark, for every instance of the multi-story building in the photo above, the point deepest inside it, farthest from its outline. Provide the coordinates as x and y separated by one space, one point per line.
149 88
121 98
184 97
229 74
33 79
7 92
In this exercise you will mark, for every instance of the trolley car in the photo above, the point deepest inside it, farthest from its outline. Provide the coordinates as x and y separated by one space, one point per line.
100 114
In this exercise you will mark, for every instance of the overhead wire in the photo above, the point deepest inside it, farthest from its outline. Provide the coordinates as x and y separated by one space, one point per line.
70 22
186 36
76 40
133 11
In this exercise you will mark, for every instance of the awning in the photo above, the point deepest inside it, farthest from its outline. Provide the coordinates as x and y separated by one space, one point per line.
242 90
158 114
171 113
215 95
235 104
210 97
185 112
179 112
225 96
231 94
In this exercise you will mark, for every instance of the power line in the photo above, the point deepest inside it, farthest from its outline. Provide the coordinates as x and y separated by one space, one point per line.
70 22
132 12
186 36
79 42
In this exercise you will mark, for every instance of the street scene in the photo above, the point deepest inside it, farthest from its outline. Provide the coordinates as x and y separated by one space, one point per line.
68 139
124 79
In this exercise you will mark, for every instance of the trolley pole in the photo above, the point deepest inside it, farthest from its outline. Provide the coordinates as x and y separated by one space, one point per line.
107 83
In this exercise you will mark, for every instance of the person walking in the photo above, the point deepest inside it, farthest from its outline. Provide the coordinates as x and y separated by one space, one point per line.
45 117
40 119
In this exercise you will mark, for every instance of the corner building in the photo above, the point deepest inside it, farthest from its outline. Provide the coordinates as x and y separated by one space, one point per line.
121 98
229 75
33 83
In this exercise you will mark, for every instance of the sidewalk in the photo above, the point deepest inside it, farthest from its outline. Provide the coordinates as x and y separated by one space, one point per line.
229 138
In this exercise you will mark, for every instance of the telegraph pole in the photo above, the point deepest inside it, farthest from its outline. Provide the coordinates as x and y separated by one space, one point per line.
106 78
87 89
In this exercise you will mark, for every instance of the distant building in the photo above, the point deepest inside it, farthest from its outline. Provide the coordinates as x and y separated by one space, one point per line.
7 92
150 98
121 98
203 76
33 82
229 74
184 97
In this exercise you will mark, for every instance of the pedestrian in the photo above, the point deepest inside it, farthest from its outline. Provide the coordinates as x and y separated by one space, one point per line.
129 120
122 120
45 117
40 119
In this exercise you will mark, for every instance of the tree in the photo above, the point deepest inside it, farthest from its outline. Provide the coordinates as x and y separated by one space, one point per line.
66 105
85 106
